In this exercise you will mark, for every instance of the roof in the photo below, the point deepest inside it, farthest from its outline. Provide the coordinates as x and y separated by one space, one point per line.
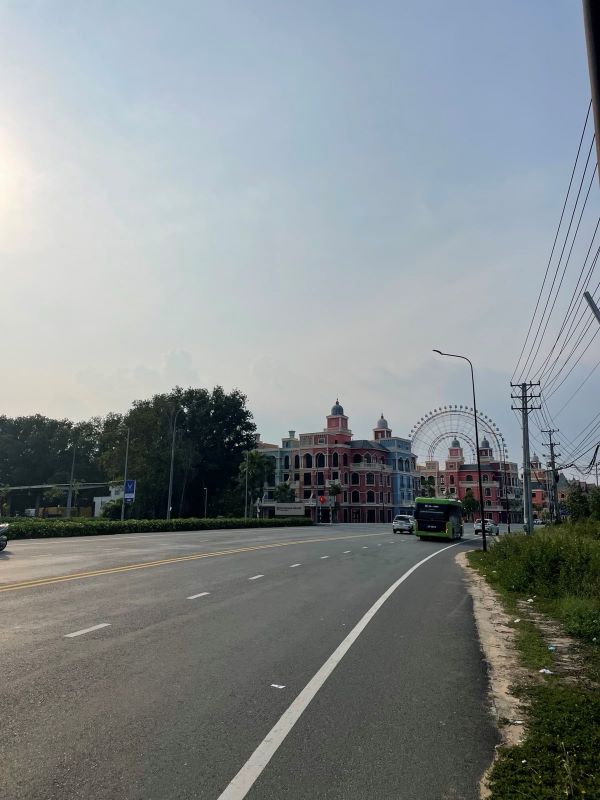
442 501
365 444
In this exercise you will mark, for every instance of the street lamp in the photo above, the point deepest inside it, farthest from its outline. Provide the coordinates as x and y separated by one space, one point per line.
125 475
172 461
464 358
205 501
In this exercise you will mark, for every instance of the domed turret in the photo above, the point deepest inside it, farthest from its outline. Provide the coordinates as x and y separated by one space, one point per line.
485 445
337 410
382 422
455 442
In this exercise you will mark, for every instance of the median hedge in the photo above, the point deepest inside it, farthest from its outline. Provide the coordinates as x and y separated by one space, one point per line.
24 528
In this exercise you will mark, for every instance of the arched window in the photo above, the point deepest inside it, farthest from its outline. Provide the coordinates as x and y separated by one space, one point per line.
469 479
485 479
370 497
336 460
370 479
320 461
487 491
355 479
414 463
286 462
296 462
367 458
355 497
407 465
307 461
320 479
357 458
452 480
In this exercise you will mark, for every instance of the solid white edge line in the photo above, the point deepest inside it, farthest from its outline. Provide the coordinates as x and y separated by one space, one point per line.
87 630
255 577
194 596
241 784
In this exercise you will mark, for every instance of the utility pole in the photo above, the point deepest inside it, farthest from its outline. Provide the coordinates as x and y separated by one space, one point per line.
525 407
179 410
246 490
554 515
591 18
125 476
70 494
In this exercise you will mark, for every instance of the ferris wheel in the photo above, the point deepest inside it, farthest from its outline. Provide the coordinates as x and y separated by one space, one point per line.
434 432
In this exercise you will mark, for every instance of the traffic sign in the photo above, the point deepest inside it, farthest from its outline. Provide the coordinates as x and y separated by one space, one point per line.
129 493
322 499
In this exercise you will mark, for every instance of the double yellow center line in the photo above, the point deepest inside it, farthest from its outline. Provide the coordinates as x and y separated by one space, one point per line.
76 576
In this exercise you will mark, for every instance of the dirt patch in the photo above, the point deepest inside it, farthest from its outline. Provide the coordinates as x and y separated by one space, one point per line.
497 641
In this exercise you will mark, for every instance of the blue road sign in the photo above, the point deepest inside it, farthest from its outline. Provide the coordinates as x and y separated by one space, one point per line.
129 494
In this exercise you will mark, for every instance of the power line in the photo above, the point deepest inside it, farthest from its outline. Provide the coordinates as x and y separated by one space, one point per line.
555 240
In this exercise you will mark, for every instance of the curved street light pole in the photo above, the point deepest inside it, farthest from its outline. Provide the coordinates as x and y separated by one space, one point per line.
172 461
464 358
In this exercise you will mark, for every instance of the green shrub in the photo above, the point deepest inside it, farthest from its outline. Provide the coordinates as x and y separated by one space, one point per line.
24 528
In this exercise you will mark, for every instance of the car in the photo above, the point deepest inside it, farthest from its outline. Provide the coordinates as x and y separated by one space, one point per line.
490 527
403 523
538 522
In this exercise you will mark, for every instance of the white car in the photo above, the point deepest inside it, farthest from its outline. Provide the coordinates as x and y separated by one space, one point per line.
403 524
490 527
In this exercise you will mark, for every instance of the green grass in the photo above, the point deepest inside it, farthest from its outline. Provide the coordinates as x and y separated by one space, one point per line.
560 756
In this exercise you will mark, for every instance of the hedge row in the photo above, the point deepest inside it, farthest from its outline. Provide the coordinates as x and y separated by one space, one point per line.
37 529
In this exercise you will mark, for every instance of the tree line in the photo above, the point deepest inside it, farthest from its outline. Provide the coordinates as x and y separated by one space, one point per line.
214 442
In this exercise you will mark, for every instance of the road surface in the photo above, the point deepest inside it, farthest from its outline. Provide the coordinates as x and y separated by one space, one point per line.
238 664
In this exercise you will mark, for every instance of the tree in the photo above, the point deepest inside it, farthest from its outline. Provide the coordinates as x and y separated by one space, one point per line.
261 471
470 504
594 502
577 502
334 489
283 493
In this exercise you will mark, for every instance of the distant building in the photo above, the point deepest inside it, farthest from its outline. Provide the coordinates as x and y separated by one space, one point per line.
377 476
456 477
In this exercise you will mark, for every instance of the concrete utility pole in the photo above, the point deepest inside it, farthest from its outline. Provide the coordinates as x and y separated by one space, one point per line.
525 408
592 305
591 18
554 514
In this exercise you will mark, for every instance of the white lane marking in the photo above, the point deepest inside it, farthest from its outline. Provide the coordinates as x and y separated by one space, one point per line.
278 686
255 577
322 557
295 565
194 596
87 630
250 772
379 545
347 551
365 547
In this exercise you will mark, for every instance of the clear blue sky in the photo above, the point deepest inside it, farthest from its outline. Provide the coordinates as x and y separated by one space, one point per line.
299 199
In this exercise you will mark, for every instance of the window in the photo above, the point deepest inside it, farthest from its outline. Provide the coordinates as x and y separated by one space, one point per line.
355 497
320 479
381 497
345 477
370 497
407 465
452 490
307 494
485 479
345 497
370 478
355 478
307 479
388 498
296 476
286 477
336 460
321 440
296 462
319 461
451 480
357 458
345 460
307 460
367 459
286 462
469 479
335 476
488 502
487 491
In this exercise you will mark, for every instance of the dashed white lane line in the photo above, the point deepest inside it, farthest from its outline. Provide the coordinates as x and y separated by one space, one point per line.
295 565
255 577
322 557
87 630
195 596
241 784
347 551
365 547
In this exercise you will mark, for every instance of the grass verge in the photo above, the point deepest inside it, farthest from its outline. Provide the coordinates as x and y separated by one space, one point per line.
560 756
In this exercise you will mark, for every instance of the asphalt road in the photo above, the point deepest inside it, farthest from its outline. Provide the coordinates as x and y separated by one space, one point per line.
216 644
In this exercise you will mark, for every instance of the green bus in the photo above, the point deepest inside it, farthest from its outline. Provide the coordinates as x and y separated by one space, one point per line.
438 518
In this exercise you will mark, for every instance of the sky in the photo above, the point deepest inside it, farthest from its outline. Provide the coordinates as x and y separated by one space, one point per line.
299 200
